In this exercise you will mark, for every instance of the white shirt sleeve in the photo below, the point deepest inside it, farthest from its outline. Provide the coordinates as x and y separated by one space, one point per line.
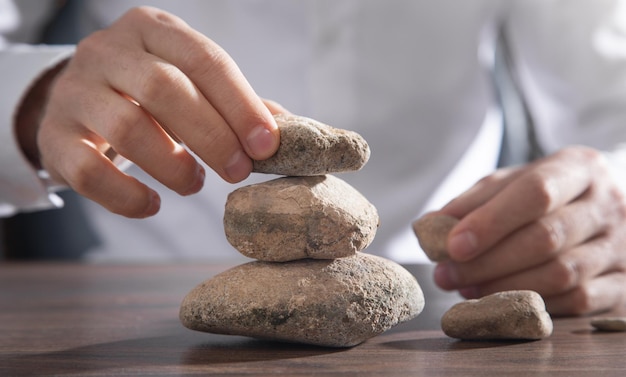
570 59
21 189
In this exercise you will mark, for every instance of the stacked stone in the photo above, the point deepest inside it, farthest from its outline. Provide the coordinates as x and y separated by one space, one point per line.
310 282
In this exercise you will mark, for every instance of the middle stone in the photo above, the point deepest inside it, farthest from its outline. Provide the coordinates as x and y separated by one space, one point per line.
290 218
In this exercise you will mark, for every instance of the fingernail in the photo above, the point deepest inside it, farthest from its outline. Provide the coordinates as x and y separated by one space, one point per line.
197 186
463 245
470 292
446 276
238 167
154 205
261 142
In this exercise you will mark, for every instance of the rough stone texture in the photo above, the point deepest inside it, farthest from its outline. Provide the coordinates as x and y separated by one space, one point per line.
334 303
432 235
308 147
609 323
503 315
291 218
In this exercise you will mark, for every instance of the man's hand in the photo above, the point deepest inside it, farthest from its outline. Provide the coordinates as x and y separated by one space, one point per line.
556 226
138 88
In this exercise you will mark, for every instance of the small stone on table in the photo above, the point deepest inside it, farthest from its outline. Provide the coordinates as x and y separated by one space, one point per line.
503 315
609 324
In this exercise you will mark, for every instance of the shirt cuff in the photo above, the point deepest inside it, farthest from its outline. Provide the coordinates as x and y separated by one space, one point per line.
21 188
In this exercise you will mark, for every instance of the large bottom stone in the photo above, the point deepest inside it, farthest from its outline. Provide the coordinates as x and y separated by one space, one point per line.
334 303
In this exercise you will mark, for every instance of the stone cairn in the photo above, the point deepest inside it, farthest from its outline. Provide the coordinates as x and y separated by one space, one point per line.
310 283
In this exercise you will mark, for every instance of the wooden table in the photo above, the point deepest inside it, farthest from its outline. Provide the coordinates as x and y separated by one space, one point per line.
94 320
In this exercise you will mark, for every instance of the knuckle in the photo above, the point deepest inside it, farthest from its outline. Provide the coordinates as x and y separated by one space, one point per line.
543 191
139 14
92 47
89 44
618 203
217 137
491 179
151 83
217 58
82 175
582 153
120 129
564 275
156 15
588 154
593 156
582 301
550 234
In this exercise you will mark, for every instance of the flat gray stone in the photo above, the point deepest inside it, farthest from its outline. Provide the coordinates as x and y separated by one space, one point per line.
609 324
333 303
291 218
503 315
308 147
432 234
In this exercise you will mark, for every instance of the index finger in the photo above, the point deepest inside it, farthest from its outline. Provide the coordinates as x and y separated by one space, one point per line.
215 75
543 187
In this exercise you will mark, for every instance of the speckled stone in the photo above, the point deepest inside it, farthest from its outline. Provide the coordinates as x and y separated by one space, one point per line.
334 303
290 218
308 147
615 324
503 315
432 234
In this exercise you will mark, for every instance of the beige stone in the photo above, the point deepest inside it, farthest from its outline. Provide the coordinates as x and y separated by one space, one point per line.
609 323
291 218
334 303
432 234
503 315
308 147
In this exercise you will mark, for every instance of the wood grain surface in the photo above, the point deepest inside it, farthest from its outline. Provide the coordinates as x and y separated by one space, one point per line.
119 320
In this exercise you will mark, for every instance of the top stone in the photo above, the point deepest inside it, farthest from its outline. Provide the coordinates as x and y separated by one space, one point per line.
308 148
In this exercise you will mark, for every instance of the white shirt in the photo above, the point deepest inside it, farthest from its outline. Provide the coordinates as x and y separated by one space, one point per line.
411 76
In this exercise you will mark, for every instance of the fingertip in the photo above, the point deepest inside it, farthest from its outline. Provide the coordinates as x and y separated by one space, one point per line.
262 142
154 204
463 245
199 181
238 167
445 276
470 293
151 208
